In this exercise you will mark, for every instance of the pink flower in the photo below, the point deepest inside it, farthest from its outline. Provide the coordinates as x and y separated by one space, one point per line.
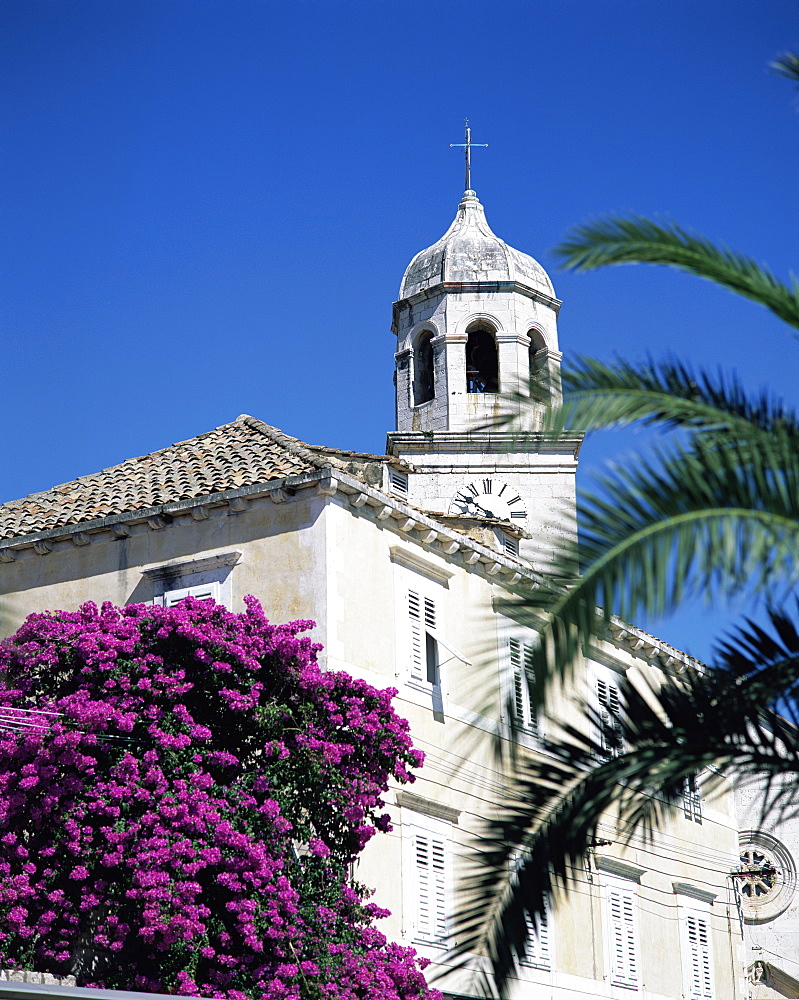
197 748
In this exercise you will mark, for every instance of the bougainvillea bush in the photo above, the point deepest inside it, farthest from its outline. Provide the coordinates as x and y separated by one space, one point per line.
186 819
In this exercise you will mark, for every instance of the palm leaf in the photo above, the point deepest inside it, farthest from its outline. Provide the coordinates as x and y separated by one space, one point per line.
711 519
667 394
635 239
559 803
787 64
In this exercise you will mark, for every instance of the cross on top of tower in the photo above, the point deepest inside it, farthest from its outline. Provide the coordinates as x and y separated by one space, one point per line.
467 151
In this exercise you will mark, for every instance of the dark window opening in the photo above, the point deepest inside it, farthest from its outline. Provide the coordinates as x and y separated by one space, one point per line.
539 373
692 798
431 655
482 362
424 382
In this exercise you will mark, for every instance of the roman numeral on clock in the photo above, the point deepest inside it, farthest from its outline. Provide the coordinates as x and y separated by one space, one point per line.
518 513
513 501
488 485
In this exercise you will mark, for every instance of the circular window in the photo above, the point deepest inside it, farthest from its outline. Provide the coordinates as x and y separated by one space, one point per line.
766 876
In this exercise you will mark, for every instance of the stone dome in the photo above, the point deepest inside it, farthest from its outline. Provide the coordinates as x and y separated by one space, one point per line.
469 251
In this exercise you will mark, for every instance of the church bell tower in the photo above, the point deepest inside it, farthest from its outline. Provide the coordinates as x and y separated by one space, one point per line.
477 363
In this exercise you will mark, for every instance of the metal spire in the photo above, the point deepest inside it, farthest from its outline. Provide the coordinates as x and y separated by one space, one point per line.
467 149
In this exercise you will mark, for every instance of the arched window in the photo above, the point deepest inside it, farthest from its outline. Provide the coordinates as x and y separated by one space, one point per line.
482 362
424 386
539 369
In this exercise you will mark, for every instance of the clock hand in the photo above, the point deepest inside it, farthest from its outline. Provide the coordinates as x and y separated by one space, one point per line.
484 511
490 513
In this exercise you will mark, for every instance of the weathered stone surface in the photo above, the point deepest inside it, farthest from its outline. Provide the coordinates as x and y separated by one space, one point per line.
469 251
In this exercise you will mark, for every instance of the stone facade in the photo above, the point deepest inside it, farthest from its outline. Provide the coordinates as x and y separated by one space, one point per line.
767 882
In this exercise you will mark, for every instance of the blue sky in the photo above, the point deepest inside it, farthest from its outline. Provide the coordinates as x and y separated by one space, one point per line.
209 204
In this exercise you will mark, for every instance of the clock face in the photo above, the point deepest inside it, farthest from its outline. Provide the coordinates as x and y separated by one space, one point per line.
490 498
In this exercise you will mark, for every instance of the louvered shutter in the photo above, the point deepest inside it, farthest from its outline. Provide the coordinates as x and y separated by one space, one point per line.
204 592
700 984
536 949
430 862
422 617
623 947
610 717
521 659
518 686
417 645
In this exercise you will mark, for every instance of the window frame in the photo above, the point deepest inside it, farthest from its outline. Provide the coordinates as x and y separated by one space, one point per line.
698 958
418 639
193 577
423 614
433 930
519 655
202 592
692 797
608 706
620 933
423 364
477 338
539 956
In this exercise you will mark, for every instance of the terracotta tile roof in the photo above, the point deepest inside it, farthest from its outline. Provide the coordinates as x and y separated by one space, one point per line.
242 453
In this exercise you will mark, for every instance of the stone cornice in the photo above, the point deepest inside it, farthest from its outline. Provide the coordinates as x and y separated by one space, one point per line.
619 868
330 483
412 560
427 807
694 892
184 567
483 442
476 287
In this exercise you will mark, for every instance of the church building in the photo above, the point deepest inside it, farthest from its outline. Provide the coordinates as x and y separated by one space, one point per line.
407 561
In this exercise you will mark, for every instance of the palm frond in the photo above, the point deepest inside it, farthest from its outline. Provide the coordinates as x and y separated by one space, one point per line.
636 239
709 519
667 394
787 64
560 802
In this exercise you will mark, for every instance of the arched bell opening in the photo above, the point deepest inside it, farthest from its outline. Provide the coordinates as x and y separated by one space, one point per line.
540 376
424 385
482 361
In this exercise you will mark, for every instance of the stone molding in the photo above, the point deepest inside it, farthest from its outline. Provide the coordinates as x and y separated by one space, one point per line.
472 288
411 560
619 868
187 567
419 804
686 889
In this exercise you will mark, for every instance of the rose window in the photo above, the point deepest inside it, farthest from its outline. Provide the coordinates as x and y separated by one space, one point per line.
766 876
762 877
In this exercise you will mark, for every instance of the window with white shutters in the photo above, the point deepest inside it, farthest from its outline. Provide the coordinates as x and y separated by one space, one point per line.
204 592
699 973
609 711
430 865
536 948
521 658
692 799
622 936
206 578
423 643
